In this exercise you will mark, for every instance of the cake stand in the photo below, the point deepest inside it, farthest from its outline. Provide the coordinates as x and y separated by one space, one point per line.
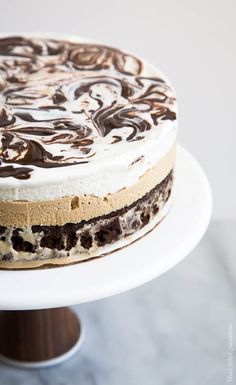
38 331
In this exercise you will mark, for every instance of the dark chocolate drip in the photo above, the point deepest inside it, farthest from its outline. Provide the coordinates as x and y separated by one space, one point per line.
37 131
117 139
164 114
16 172
169 115
30 152
97 57
58 97
126 89
115 117
32 47
29 118
6 119
40 80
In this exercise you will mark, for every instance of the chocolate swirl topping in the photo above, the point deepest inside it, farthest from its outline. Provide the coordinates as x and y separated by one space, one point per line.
59 100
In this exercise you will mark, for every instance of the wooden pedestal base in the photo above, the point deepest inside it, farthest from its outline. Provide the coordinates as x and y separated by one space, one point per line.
38 338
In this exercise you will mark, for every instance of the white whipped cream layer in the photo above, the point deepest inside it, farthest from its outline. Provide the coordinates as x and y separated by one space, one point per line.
114 171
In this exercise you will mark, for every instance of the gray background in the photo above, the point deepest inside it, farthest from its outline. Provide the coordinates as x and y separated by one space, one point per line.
174 330
193 42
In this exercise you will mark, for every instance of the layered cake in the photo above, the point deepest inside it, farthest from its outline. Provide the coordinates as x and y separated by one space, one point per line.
87 152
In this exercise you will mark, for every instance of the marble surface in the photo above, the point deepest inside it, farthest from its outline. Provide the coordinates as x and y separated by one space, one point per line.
173 330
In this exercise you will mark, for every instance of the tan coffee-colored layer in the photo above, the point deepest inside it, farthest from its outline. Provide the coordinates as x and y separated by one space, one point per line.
73 209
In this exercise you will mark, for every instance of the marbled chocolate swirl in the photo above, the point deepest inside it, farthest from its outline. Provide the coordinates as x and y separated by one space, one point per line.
62 103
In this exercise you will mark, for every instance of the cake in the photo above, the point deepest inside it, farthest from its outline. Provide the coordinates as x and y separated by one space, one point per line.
88 136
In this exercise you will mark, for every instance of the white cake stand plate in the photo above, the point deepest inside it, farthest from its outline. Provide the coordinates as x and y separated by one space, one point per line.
145 259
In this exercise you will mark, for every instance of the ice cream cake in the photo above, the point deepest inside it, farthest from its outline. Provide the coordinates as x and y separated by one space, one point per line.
88 135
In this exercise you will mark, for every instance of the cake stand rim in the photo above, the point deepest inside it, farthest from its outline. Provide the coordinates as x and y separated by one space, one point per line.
171 240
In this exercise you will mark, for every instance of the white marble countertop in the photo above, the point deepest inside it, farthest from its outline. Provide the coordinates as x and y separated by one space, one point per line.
173 330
